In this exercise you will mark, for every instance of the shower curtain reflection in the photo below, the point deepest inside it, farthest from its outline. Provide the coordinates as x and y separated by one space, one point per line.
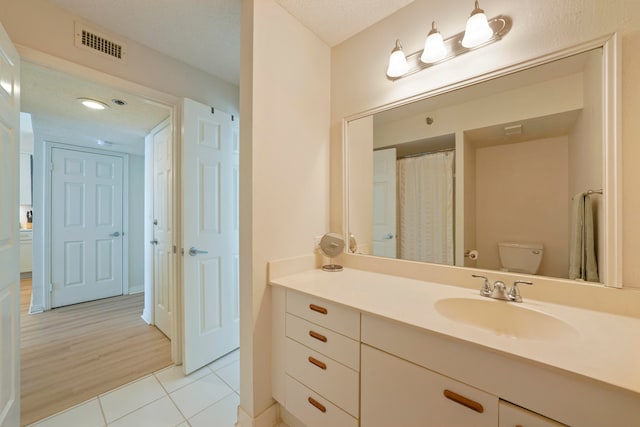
425 207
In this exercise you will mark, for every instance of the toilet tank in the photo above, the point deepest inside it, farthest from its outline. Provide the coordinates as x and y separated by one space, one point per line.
520 257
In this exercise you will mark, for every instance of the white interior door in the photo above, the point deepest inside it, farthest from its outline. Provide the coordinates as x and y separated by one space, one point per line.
162 227
9 233
86 226
209 193
384 203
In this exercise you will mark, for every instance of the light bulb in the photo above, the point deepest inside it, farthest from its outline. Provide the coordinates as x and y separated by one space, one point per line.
434 49
478 30
397 62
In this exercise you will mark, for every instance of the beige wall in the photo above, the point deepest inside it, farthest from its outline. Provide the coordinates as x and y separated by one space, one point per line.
40 25
585 150
522 196
284 164
361 182
540 27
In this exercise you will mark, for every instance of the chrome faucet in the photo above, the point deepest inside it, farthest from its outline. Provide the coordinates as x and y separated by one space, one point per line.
499 289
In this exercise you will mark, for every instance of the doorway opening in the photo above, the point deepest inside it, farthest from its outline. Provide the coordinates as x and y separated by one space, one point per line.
92 147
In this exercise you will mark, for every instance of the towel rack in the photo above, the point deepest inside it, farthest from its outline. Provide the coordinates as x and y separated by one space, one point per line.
593 191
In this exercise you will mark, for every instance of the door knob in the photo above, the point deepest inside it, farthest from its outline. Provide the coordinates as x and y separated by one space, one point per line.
115 234
153 242
193 251
388 236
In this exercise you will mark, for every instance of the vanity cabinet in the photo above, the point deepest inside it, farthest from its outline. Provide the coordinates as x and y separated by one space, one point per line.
320 364
335 365
397 392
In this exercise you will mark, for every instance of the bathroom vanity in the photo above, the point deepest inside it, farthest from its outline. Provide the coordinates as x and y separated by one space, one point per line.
362 348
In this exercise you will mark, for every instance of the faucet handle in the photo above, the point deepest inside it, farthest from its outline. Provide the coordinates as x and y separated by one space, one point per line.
514 292
485 291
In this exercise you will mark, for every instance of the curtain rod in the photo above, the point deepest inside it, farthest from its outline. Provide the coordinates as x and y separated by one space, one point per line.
444 150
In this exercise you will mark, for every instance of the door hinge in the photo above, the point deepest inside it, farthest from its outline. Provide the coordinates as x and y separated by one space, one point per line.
50 166
175 249
50 287
182 251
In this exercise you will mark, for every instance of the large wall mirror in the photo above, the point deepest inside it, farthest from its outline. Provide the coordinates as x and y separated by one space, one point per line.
516 173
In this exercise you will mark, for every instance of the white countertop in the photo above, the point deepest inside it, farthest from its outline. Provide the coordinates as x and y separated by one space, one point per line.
605 347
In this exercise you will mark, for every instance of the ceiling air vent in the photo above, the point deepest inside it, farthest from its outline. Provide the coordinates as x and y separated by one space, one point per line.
95 41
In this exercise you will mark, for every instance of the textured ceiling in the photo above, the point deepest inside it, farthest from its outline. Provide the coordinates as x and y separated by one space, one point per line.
202 33
57 115
334 21
206 33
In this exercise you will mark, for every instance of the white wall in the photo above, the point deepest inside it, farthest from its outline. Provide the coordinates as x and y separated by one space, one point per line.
136 224
284 166
539 28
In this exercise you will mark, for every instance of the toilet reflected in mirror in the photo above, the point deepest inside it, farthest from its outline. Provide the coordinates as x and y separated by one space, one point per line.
520 257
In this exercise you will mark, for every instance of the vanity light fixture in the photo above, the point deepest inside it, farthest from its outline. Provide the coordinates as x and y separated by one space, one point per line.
478 33
478 30
397 62
93 104
434 49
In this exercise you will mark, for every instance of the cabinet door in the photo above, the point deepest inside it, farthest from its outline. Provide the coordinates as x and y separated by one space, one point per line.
515 416
395 392
25 179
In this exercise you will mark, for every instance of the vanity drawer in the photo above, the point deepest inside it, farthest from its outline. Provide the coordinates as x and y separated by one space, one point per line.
333 381
314 410
336 346
332 316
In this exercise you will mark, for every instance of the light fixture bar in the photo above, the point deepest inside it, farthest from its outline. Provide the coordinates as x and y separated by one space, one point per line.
453 45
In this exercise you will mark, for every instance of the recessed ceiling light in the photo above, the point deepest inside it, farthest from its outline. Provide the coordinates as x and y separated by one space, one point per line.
94 104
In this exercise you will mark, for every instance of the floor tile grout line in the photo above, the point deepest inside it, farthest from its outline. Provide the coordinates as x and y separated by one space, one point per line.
140 407
104 416
209 406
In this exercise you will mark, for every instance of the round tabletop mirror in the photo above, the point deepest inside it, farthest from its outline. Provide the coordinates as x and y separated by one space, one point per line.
332 245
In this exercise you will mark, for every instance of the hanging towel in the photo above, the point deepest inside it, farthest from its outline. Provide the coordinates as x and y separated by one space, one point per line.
582 255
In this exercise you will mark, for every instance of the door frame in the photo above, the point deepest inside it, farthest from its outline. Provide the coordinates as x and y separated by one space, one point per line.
174 106
47 227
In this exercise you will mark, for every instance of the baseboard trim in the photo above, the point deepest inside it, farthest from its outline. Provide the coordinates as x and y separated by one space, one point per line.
269 418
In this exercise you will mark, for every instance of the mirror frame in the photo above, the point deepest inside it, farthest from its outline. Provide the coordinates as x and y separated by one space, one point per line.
612 146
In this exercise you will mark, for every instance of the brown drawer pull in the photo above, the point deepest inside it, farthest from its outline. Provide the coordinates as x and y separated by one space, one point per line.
318 363
471 404
317 404
317 336
318 309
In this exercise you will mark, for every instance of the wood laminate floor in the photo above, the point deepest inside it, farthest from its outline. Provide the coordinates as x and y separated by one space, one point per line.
71 354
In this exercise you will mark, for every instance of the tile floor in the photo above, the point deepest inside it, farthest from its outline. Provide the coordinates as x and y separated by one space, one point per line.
208 397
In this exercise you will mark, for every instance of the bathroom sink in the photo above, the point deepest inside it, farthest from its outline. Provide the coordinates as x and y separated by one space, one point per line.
505 319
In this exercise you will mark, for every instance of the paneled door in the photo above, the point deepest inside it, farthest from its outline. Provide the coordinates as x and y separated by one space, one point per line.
163 227
210 233
9 233
86 226
384 203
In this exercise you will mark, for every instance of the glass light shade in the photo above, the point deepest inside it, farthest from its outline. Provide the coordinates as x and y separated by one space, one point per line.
92 104
397 62
478 30
434 49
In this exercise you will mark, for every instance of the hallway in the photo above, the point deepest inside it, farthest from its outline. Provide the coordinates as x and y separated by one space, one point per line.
71 354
